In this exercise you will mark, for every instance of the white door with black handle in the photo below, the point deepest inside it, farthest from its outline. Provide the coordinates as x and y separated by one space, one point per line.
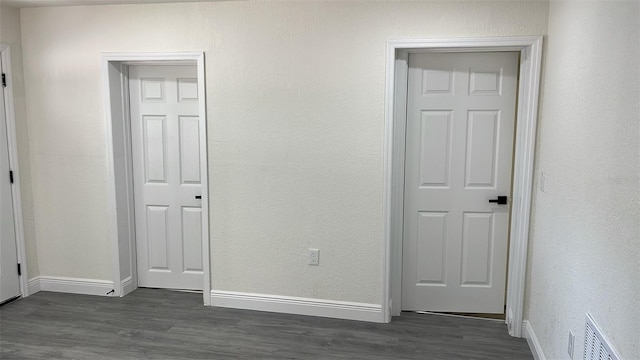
461 110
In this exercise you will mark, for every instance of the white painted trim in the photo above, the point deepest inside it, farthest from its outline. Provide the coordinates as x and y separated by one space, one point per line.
128 285
159 57
34 285
5 54
530 48
532 341
72 285
113 221
123 59
204 170
297 305
525 147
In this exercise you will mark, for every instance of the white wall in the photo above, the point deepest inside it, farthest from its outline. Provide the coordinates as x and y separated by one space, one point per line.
585 240
10 35
295 99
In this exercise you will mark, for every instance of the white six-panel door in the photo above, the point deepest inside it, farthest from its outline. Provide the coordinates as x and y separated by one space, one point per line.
167 183
9 279
459 145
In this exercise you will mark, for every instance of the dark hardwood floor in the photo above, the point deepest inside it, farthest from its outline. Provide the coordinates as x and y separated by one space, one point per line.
161 324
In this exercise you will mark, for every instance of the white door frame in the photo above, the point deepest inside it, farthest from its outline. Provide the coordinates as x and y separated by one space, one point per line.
530 49
5 54
119 156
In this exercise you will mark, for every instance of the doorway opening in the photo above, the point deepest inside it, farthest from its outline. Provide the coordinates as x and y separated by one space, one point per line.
459 146
398 51
158 170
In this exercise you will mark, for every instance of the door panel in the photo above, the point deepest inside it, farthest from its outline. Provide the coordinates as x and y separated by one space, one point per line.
157 242
9 279
477 241
481 157
189 149
154 138
165 135
432 230
459 144
191 239
435 144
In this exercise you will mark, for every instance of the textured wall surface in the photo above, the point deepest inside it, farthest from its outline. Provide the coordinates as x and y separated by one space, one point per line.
10 35
295 100
585 240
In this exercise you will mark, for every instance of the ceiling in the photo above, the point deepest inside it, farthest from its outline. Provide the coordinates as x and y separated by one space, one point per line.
41 3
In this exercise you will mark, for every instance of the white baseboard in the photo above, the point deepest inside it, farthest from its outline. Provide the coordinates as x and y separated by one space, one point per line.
532 340
71 285
128 286
34 285
298 306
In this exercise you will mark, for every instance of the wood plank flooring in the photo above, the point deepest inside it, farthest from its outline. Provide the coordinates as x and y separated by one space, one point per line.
161 324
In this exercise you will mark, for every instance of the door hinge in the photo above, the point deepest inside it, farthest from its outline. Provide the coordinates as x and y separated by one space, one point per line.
4 80
11 176
19 270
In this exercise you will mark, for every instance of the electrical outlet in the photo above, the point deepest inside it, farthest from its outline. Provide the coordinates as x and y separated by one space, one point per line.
572 340
314 257
543 179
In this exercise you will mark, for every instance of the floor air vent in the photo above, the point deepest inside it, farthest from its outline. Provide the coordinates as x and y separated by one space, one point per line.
596 346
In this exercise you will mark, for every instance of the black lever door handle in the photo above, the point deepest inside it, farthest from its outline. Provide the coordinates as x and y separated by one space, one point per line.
501 200
198 197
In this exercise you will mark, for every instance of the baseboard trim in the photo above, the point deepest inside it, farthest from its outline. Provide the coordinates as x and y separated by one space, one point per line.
34 285
127 286
71 285
532 340
299 306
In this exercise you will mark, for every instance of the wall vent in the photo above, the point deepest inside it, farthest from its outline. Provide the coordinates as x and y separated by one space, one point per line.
596 346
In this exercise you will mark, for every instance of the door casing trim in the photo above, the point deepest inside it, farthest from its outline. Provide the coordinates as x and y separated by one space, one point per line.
119 157
16 194
530 49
